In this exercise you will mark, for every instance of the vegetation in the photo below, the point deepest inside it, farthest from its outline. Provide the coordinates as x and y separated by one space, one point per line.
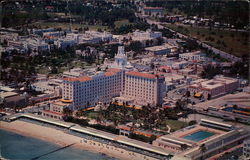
81 122
142 138
210 71
109 129
233 42
97 15
240 69
176 125
231 12
67 25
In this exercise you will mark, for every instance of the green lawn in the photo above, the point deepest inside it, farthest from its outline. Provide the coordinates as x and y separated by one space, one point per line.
176 125
122 22
91 114
233 42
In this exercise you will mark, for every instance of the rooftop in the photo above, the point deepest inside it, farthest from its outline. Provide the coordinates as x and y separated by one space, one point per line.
80 79
7 94
161 47
140 74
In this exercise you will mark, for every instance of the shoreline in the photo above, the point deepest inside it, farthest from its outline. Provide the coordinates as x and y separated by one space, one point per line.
62 138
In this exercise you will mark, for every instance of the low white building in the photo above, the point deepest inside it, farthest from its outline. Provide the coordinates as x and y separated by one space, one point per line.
179 65
56 109
49 87
64 43
160 50
75 72
149 34
192 56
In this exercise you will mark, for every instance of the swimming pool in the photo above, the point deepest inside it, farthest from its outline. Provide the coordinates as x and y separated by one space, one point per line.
198 136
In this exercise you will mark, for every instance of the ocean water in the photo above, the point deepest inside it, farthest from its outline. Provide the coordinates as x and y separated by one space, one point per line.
18 147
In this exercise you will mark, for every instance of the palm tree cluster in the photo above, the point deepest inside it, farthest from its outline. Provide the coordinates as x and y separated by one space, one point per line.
148 117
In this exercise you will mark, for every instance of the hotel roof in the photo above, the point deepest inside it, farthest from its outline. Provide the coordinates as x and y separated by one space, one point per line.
80 79
140 74
113 70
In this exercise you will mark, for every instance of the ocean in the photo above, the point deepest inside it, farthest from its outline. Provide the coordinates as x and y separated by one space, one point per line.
18 147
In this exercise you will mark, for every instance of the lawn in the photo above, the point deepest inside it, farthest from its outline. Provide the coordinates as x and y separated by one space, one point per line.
66 25
91 114
176 125
122 22
233 42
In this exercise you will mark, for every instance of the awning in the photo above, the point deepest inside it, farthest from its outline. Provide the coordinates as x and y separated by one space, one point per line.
198 95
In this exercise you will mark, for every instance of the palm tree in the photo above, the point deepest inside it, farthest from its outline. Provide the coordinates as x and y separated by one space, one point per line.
184 146
67 111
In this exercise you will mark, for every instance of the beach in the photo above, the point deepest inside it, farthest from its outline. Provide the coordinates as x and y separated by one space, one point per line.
62 138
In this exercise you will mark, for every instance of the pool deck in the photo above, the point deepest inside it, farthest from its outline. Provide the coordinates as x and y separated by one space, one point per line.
182 133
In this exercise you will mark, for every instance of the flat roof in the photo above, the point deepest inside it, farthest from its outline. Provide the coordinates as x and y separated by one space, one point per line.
140 74
214 122
7 94
158 48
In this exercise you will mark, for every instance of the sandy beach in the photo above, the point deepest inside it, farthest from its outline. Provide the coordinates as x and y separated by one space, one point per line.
62 138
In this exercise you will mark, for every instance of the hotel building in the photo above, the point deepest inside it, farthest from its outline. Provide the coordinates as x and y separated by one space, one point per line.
86 91
140 88
143 88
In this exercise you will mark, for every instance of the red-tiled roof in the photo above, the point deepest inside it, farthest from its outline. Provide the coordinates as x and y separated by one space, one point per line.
139 74
124 128
52 112
164 67
153 8
113 70
109 73
81 79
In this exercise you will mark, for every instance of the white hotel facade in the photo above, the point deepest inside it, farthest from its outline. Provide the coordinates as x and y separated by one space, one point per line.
87 91
143 88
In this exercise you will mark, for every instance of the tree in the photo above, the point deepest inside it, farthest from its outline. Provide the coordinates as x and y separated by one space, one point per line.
67 111
188 94
203 149
235 106
193 122
210 71
184 146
